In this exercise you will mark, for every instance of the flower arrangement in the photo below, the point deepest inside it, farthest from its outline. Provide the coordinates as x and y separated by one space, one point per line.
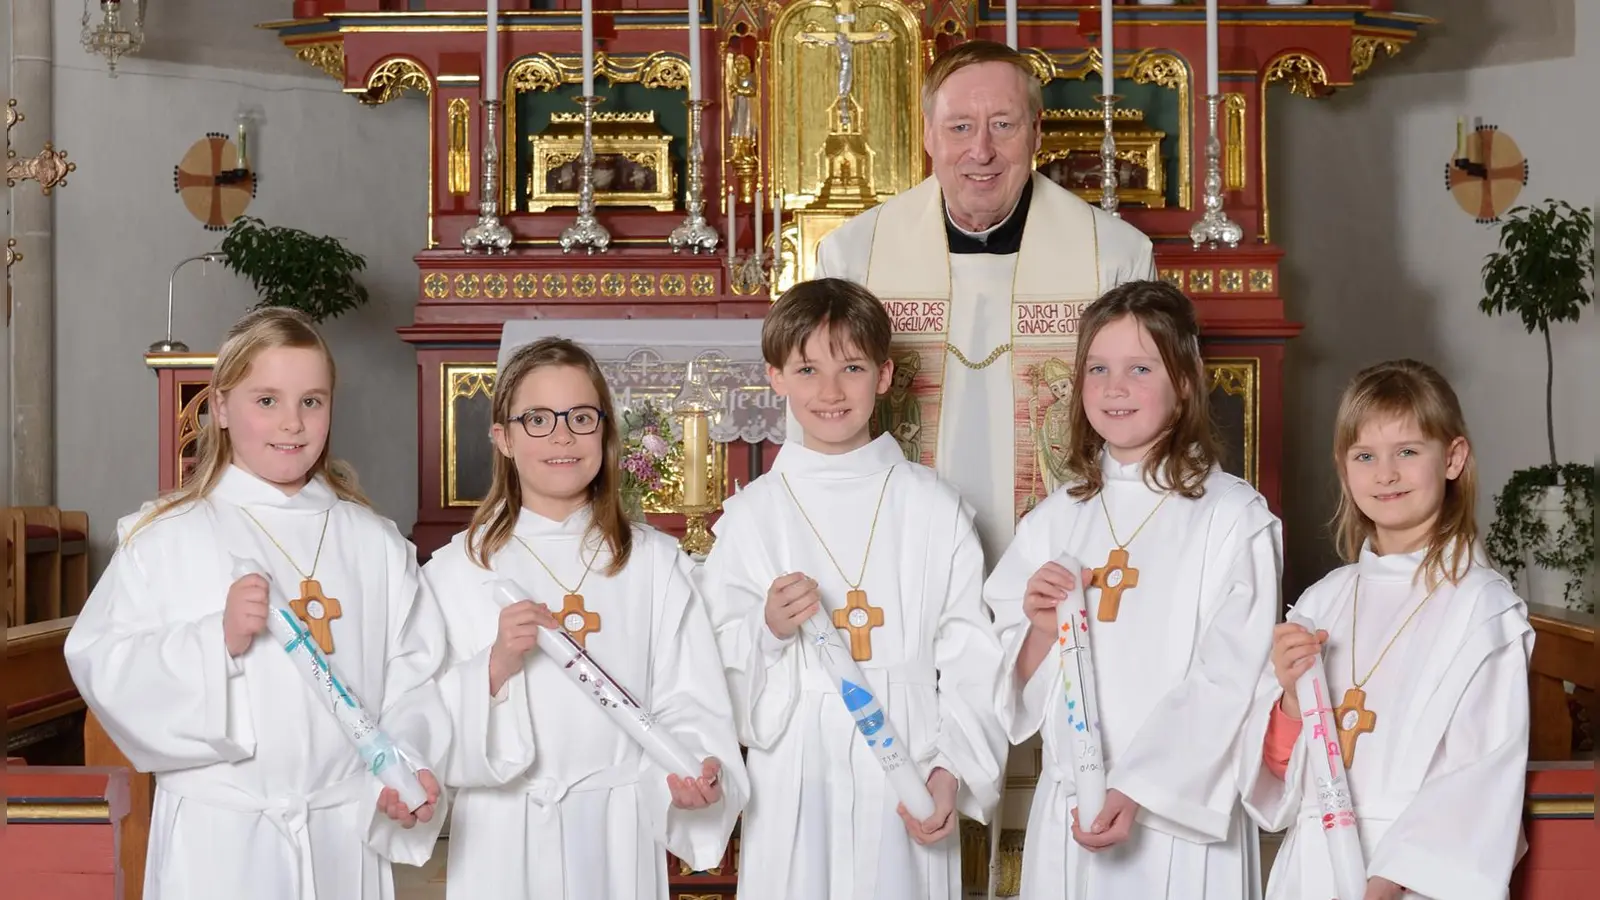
650 458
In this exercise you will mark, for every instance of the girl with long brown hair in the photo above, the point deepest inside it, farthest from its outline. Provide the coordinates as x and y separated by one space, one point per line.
555 800
250 772
1182 596
1426 653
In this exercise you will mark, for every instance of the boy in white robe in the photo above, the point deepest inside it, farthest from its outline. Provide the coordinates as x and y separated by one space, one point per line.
838 514
555 800
259 792
1176 636
1426 653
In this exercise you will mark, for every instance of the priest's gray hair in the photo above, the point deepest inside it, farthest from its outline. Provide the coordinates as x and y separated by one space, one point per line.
972 53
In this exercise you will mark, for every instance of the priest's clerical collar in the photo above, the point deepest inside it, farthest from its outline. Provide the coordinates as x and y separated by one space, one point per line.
1004 238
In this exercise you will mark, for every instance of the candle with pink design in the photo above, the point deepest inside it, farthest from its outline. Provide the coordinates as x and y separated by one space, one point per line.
1326 769
1082 716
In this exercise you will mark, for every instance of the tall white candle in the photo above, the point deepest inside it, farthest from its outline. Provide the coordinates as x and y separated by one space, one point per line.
1211 47
588 48
694 49
733 231
1108 51
759 216
1011 24
491 53
777 226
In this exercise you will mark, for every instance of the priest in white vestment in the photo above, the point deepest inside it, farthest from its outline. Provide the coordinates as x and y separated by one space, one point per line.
246 755
985 268
1438 781
1173 676
557 801
822 822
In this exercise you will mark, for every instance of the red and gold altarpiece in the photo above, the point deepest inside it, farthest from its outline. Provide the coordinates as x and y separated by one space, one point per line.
771 67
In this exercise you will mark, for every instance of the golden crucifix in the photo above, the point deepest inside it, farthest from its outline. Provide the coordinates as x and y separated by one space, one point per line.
844 40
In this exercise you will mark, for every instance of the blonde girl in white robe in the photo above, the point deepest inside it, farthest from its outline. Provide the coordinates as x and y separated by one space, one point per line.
1177 654
1437 643
555 801
259 793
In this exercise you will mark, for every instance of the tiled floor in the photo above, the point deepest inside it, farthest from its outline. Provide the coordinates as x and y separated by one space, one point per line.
427 883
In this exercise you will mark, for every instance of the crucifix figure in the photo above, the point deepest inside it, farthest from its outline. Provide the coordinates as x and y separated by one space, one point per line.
577 621
844 40
858 617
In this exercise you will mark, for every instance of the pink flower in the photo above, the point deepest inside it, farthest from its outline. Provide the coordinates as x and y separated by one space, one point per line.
655 444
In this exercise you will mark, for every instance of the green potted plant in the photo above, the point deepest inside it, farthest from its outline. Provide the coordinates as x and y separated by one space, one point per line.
1544 273
290 267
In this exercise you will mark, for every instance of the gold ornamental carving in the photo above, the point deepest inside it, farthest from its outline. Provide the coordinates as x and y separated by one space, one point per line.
525 285
1303 73
467 286
613 285
1173 277
494 285
436 286
632 162
1200 281
881 85
460 154
583 285
325 55
1261 281
48 167
555 285
392 78
546 72
1234 144
702 285
673 285
1364 51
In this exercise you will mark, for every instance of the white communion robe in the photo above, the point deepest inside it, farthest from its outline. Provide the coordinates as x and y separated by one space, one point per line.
1438 782
1175 674
821 824
259 793
981 438
556 801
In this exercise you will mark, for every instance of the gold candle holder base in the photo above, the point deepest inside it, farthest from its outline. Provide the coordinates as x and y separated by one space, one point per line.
697 538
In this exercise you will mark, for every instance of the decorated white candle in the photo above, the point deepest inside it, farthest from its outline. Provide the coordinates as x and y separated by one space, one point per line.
733 230
588 48
1212 61
1082 710
872 723
760 216
491 53
1326 769
588 676
1108 51
378 752
1011 24
694 49
777 226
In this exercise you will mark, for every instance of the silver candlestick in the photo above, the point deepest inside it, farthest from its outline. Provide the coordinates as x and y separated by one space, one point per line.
694 233
586 231
1108 156
488 235
1214 227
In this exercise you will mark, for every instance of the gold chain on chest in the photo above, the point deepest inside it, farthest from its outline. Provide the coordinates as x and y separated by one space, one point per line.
994 354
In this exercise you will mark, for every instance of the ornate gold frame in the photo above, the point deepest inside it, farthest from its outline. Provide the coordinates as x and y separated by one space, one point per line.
1241 377
1085 128
633 136
458 380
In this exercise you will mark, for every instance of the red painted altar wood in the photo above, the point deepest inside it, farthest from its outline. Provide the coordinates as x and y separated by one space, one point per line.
1561 833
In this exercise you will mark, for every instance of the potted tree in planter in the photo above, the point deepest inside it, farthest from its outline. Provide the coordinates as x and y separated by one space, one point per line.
293 268
1544 273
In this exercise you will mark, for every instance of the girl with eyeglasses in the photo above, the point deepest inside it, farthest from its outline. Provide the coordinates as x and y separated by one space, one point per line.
553 799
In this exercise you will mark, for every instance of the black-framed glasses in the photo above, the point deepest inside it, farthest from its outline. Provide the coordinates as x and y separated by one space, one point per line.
540 423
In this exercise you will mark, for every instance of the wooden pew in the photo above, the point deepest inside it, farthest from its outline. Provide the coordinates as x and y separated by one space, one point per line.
1560 864
34 675
1563 651
98 750
62 833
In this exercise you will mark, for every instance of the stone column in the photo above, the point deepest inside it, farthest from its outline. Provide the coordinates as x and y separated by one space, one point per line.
32 332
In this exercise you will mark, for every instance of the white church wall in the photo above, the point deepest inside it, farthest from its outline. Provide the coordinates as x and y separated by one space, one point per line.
1382 263
327 165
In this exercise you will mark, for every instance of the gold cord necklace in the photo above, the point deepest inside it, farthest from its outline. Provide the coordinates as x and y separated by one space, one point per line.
313 607
1351 715
578 621
856 616
1116 575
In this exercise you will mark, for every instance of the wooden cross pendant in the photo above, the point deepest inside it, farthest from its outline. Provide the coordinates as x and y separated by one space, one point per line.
1112 579
318 611
1354 720
859 618
578 622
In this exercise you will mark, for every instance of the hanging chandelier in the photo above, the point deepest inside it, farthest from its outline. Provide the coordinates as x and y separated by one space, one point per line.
118 32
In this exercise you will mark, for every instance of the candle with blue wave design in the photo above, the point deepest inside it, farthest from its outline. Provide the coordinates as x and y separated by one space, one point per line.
1083 712
871 722
378 751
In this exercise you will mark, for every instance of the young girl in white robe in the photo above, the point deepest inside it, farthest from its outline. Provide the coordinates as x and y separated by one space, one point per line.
259 792
555 800
844 514
1178 631
1426 652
